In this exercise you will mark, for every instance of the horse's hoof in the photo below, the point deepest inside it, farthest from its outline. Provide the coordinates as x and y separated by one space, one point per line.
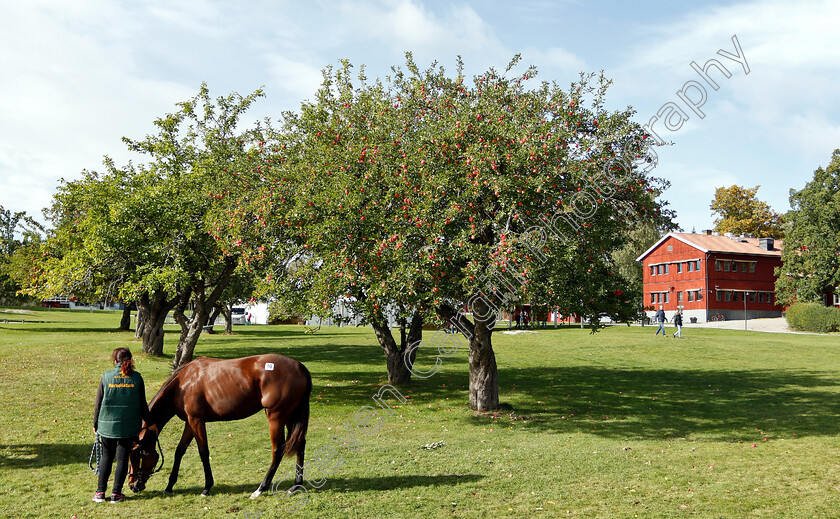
256 494
205 493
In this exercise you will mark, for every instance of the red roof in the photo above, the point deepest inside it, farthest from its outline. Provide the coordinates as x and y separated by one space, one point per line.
725 244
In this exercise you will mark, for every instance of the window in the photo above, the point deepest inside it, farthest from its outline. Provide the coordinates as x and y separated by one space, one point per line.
666 268
761 297
652 270
752 297
752 267
734 267
736 296
718 265
717 295
670 248
659 269
697 267
679 268
690 296
652 298
691 266
679 297
743 267
836 299
726 266
666 294
727 296
697 296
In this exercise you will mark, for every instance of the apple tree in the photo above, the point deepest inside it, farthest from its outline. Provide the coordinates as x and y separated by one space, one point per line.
148 232
435 198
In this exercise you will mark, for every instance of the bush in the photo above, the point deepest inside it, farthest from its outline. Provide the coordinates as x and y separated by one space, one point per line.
279 314
813 317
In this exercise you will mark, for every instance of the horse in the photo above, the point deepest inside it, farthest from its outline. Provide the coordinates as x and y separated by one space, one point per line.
209 390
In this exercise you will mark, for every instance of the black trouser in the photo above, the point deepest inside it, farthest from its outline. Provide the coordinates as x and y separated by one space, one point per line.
111 447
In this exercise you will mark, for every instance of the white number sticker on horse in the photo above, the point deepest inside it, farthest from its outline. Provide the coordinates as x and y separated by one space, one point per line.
269 366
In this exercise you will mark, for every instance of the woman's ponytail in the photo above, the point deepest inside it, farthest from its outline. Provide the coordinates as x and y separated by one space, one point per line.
123 357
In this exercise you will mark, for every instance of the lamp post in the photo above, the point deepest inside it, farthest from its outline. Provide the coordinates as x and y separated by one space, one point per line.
746 294
717 293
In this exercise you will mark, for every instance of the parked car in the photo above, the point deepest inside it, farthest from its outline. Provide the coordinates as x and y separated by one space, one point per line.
237 316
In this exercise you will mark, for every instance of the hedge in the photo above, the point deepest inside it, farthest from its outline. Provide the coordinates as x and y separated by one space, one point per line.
813 317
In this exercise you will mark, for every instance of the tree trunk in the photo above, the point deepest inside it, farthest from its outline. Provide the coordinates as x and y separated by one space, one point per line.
141 321
211 321
398 372
152 310
125 321
484 377
203 303
190 328
227 312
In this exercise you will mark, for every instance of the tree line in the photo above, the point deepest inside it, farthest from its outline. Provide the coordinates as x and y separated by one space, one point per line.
395 196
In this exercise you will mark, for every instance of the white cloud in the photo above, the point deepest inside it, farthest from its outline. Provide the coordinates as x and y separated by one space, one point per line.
297 79
72 92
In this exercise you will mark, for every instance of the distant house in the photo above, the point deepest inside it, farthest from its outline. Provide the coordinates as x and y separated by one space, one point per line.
708 274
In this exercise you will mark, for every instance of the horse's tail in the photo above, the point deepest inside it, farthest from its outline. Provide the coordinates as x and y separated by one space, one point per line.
299 420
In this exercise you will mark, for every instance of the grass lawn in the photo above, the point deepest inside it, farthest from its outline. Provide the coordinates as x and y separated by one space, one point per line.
615 424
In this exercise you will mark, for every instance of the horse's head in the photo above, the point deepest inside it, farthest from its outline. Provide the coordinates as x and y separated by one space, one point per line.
142 459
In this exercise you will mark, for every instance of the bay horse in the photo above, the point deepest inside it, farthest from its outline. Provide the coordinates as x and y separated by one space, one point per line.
210 390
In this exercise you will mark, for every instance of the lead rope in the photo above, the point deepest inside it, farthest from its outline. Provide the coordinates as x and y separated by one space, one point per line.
95 453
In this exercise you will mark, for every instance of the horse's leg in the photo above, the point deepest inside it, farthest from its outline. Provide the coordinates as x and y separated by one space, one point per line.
278 444
186 438
299 466
200 432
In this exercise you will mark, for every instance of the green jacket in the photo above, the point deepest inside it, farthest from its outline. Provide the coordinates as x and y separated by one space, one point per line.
123 405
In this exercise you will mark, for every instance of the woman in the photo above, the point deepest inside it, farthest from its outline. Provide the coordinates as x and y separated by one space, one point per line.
678 323
117 419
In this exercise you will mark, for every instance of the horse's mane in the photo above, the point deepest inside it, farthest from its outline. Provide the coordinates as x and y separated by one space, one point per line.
163 386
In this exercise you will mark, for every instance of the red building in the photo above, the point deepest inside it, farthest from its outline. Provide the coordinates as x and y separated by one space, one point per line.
707 275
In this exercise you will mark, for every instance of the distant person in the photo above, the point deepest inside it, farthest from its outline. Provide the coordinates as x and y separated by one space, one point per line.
659 317
117 419
678 323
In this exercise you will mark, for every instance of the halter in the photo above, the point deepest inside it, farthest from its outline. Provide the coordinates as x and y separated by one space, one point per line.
145 453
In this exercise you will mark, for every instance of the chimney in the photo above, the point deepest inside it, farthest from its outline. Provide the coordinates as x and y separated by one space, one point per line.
707 232
715 233
766 243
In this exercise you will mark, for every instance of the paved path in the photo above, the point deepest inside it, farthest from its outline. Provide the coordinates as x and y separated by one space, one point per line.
771 325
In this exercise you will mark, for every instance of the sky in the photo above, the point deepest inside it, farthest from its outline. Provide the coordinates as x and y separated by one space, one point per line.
78 76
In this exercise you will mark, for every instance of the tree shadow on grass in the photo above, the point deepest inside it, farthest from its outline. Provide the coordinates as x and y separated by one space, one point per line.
80 329
331 484
34 455
326 352
218 489
655 403
394 482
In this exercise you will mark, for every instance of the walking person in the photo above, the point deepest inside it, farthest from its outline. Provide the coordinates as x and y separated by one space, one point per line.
659 317
117 419
678 323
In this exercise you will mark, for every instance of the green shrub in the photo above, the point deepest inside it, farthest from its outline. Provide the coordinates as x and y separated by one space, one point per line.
792 315
813 317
